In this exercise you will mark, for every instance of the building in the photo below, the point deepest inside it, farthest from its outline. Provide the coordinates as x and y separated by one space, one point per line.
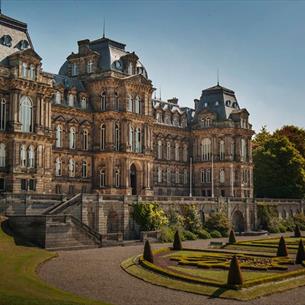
95 127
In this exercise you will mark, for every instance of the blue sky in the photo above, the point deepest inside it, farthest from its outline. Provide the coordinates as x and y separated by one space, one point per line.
258 46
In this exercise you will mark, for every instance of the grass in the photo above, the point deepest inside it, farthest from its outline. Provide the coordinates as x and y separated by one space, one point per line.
20 284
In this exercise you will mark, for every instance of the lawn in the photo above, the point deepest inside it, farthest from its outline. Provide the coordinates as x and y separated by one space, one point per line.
20 285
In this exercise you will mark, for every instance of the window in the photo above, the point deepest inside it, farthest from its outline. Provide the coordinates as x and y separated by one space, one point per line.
83 103
159 175
184 153
117 137
32 72
3 114
23 185
32 184
177 152
206 176
102 178
26 116
57 97
71 168
206 149
84 169
137 105
177 177
159 149
58 171
131 142
2 155
2 184
117 178
23 44
168 176
168 150
138 140
74 69
159 117
89 66
232 149
71 100
185 176
102 137
129 103
22 156
222 175
116 102
72 138
31 157
103 101
7 40
243 150
85 139
222 150
58 136
24 70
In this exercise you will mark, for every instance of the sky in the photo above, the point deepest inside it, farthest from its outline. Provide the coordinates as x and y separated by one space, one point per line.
257 46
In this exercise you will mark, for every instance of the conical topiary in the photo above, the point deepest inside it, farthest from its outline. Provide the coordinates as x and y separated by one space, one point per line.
282 249
300 254
232 238
234 275
297 231
147 254
177 244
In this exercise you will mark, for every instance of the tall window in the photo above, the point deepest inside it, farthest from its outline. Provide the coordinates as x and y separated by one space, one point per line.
137 105
131 142
117 137
102 137
185 176
71 100
138 140
184 153
89 66
207 176
129 103
168 150
57 97
26 115
85 139
159 175
58 136
222 150
177 177
2 155
177 152
103 101
84 169
2 114
74 69
32 72
206 149
117 178
22 156
116 102
102 178
222 175
168 176
58 171
24 70
31 157
71 168
72 138
233 149
159 149
243 150
83 103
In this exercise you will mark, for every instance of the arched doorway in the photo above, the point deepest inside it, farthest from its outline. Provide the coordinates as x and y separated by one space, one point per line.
238 221
133 179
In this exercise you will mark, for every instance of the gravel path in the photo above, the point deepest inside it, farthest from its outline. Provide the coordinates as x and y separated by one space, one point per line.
96 273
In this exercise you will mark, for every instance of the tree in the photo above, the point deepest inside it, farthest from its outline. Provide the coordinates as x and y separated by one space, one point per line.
234 275
282 249
147 254
261 138
177 245
232 238
191 218
300 254
297 231
220 222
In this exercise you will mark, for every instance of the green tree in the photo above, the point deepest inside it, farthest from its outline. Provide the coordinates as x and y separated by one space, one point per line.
191 218
220 222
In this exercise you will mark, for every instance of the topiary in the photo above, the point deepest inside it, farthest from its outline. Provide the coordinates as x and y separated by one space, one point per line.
204 234
300 254
177 245
234 275
297 231
232 238
147 254
215 234
282 249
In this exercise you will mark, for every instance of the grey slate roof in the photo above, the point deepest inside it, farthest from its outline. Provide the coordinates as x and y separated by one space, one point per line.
68 82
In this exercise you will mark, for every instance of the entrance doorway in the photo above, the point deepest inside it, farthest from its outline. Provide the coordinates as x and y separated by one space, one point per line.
133 179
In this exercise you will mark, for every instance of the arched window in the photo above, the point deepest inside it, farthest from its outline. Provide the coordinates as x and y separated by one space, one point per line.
58 171
102 137
22 156
71 168
243 150
32 72
71 100
159 149
72 138
129 103
168 150
206 149
90 66
177 151
57 97
138 140
26 115
85 139
159 175
3 114
117 178
184 153
83 103
84 169
137 105
103 101
31 157
24 70
58 136
2 155
222 175
102 178
221 149
116 101
117 137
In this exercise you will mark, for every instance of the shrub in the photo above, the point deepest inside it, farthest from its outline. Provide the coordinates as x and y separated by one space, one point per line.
175 219
149 216
232 238
167 234
147 254
282 228
297 231
191 218
299 219
177 245
288 223
220 222
300 254
234 275
215 234
188 235
282 249
203 234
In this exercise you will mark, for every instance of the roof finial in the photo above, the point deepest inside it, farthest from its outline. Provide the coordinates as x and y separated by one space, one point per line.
104 28
160 94
217 76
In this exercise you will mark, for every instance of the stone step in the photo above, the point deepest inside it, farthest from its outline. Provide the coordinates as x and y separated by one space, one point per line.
71 248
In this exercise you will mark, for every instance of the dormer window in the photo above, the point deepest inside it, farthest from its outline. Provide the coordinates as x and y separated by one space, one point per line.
74 69
23 44
228 103
24 70
32 72
83 103
90 66
6 40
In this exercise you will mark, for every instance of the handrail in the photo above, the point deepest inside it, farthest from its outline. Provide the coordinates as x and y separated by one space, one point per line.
62 205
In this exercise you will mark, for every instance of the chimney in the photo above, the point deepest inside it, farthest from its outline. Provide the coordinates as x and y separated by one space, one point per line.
83 46
173 100
196 102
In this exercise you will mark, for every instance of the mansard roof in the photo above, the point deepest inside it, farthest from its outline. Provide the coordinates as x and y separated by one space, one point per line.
68 82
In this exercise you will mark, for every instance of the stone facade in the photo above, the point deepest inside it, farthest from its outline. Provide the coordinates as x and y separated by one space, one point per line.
95 127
